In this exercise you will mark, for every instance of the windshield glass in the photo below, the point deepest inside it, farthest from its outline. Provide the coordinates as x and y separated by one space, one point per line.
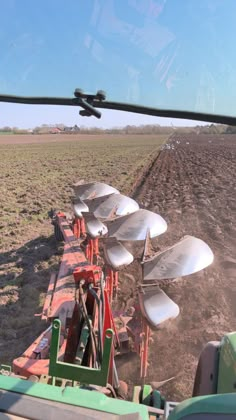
176 55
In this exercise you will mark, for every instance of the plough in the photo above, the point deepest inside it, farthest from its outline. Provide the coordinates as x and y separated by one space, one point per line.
85 334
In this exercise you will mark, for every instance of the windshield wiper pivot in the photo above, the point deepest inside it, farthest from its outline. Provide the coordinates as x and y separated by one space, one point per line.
87 102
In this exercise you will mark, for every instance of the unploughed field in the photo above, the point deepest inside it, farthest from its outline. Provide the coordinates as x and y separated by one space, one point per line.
36 175
191 184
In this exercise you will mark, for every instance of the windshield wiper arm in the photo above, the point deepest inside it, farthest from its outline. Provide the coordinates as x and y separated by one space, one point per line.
91 101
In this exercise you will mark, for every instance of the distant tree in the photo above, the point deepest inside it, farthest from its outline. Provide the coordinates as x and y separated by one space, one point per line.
6 129
213 129
231 129
36 130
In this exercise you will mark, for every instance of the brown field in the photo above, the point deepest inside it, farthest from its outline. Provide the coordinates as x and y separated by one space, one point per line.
68 138
192 185
36 175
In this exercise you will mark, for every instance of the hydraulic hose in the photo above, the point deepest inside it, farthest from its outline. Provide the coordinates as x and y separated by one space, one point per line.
100 320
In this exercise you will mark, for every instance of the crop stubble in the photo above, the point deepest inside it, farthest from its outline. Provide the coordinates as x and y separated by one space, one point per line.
36 175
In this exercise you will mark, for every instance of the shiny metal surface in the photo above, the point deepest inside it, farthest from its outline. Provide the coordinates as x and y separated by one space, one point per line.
156 306
94 227
186 257
116 255
80 207
134 227
112 206
92 190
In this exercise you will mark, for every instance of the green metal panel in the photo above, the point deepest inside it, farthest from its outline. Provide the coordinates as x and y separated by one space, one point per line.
73 396
227 365
74 372
136 393
157 399
146 395
212 404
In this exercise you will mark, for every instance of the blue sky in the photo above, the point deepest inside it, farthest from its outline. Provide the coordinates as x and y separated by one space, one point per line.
165 53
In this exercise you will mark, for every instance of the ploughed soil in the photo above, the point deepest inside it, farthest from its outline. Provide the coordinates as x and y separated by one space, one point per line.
192 185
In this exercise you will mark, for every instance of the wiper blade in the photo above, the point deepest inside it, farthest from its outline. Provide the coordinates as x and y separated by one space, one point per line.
89 103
